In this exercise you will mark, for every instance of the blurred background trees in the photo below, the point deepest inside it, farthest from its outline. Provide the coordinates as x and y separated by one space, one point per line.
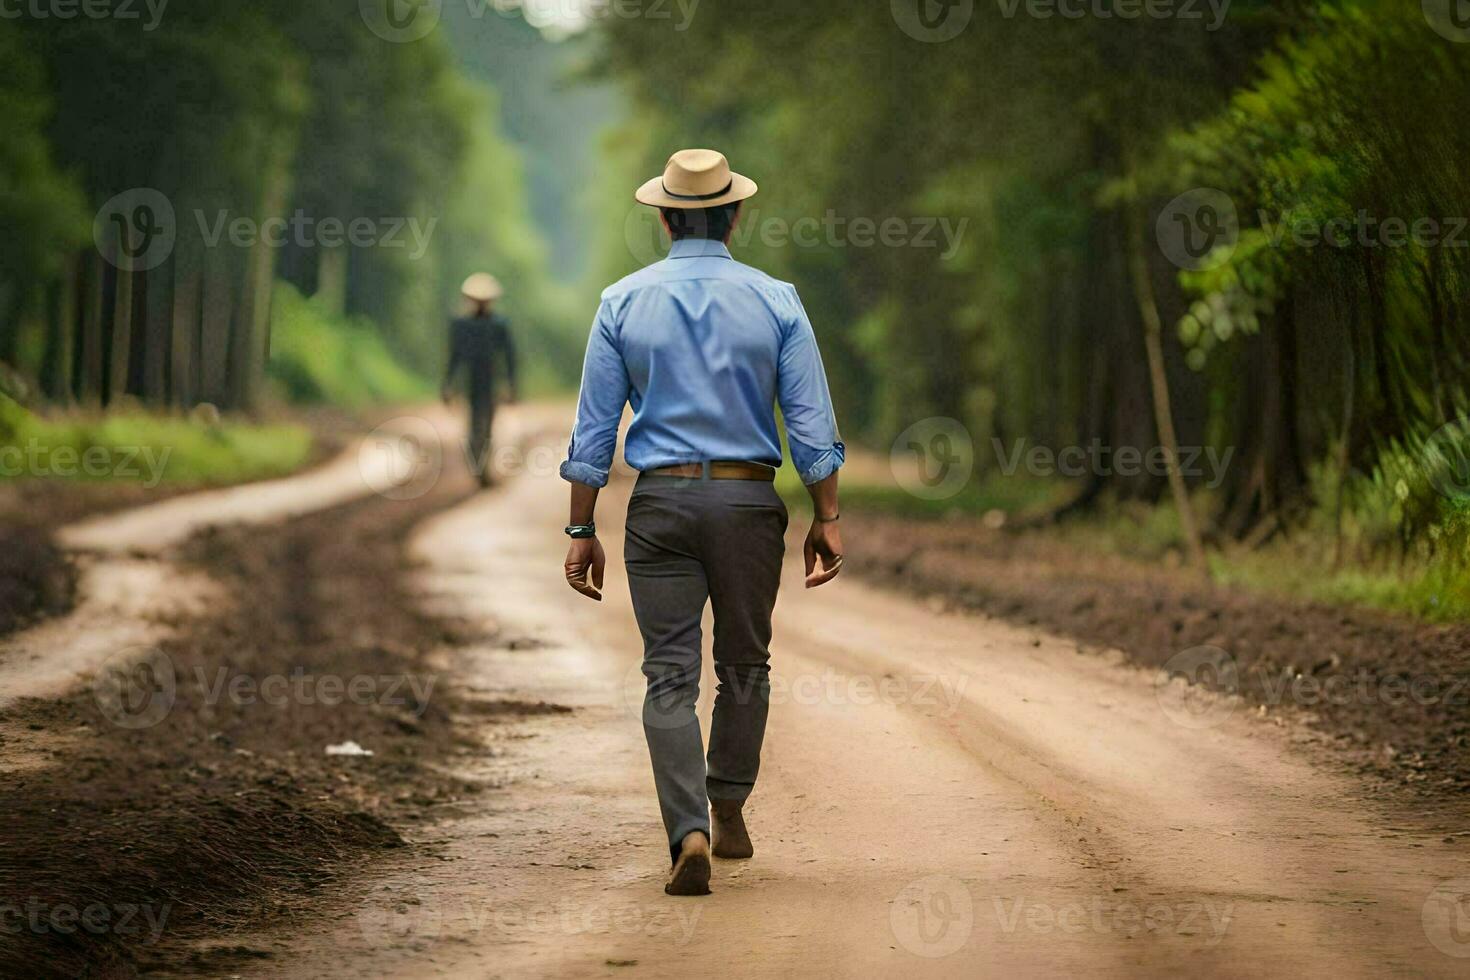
1059 143
1049 153
266 112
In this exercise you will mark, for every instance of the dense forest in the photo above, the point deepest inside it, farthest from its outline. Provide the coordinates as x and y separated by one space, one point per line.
172 193
1242 232
1240 229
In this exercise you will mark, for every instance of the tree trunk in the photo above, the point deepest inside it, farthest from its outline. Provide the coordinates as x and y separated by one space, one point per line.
88 373
214 328
1163 414
122 336
61 317
156 333
252 327
183 374
331 279
1345 438
12 311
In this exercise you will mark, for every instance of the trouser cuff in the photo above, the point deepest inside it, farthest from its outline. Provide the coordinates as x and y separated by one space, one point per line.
718 789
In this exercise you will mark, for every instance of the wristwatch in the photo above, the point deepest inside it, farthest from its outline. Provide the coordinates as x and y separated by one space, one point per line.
581 530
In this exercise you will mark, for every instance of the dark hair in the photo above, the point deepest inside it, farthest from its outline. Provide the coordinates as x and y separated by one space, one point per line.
711 223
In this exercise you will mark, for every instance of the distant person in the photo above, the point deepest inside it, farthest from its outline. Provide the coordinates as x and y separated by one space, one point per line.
704 348
481 344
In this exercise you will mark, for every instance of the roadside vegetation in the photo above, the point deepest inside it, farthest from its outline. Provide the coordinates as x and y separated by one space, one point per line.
136 446
1154 234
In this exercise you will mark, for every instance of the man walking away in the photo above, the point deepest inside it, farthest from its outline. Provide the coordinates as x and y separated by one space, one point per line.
481 343
704 348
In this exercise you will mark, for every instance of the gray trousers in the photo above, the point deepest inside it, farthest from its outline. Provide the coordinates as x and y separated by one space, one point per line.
690 542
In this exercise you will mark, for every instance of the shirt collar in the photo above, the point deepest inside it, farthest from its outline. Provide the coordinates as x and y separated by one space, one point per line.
691 248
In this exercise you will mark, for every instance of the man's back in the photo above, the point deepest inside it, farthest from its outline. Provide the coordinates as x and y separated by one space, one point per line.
703 347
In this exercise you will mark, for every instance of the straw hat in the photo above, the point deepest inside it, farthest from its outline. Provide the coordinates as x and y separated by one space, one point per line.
696 179
482 287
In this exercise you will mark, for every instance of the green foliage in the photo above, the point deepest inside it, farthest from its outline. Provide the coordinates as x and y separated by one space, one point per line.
42 209
137 447
318 356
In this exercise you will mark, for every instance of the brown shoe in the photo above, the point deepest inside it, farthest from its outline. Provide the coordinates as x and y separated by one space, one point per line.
691 871
731 838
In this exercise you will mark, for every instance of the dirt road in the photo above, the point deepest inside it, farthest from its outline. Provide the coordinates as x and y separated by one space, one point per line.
942 795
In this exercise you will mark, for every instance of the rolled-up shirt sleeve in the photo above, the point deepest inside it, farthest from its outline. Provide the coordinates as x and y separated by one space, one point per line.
605 389
806 404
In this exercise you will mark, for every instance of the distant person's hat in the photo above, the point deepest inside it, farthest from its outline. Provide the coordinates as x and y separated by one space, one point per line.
482 287
696 179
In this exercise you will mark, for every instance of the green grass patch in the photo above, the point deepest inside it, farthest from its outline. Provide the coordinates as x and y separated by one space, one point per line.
1430 586
1436 593
145 449
320 358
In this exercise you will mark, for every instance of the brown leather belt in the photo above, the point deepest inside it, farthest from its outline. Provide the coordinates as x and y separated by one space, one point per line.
718 470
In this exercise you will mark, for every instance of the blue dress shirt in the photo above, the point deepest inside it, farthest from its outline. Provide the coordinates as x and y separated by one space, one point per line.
704 347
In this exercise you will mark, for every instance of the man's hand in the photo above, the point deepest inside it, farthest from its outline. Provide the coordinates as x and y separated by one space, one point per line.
585 559
823 541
